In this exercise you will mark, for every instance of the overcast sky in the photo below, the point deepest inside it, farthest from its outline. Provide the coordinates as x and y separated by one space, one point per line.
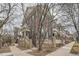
18 20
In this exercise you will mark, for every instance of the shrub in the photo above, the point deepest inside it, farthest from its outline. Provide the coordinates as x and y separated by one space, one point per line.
77 38
75 48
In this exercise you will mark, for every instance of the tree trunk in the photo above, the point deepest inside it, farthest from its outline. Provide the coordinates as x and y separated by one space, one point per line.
54 42
34 40
40 48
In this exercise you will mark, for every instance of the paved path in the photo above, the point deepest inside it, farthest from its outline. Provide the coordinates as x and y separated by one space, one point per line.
17 52
6 54
63 51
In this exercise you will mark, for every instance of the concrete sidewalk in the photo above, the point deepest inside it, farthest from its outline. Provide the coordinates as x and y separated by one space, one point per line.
6 54
63 51
17 52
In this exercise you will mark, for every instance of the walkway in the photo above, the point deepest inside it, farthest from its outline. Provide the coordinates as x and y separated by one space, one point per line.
6 54
17 52
63 51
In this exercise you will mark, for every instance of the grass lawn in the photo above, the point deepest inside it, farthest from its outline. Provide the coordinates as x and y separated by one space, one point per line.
75 48
5 50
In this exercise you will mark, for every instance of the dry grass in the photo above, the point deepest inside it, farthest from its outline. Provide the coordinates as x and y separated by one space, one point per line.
23 45
5 50
22 48
75 48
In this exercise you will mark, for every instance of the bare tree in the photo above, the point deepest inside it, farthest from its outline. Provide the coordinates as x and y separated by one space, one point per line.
71 10
6 13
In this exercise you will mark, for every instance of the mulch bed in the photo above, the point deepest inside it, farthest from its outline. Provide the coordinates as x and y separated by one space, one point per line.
44 51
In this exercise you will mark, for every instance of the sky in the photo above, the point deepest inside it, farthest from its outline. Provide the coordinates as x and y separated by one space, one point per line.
18 20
